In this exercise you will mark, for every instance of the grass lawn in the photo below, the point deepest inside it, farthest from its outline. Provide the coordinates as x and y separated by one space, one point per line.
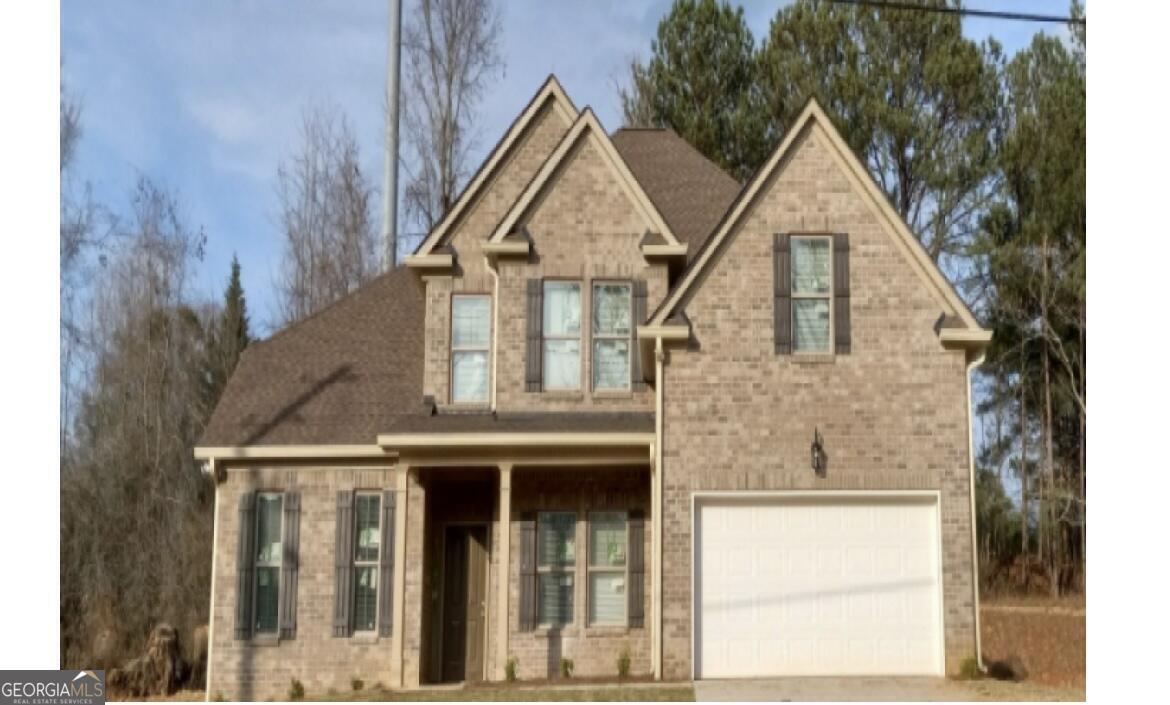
611 693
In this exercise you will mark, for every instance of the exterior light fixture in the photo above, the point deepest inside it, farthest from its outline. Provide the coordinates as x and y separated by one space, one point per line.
818 453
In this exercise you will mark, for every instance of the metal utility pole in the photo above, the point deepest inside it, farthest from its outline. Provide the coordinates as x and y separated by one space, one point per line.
390 167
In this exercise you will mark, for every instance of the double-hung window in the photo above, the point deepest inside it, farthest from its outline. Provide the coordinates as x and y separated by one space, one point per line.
611 335
471 332
367 551
561 354
269 520
607 568
556 560
812 294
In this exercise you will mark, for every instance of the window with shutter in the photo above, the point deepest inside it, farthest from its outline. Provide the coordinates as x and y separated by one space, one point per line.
612 314
555 566
268 557
366 560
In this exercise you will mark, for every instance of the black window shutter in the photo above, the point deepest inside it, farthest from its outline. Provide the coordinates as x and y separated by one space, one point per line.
343 566
527 571
290 547
841 332
782 294
386 566
532 356
637 381
244 565
637 591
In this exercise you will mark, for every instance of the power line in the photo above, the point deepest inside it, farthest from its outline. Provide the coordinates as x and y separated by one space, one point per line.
962 11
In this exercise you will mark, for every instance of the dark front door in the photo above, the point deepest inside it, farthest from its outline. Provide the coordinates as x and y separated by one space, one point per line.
464 602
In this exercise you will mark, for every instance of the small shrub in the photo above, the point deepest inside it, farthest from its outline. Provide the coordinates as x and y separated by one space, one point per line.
296 690
357 684
218 697
510 669
566 668
623 663
969 669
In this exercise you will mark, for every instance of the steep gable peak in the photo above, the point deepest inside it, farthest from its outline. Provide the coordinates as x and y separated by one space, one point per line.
550 95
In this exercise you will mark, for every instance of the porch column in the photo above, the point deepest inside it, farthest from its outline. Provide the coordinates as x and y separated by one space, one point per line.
396 650
504 579
655 572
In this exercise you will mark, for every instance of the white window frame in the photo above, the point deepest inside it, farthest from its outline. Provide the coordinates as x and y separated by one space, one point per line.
486 348
569 569
827 297
375 563
595 337
545 336
590 569
257 564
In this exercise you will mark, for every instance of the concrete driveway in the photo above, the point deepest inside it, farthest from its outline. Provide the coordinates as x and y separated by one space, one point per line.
876 689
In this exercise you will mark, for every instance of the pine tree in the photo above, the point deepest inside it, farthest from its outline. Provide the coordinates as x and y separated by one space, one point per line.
227 338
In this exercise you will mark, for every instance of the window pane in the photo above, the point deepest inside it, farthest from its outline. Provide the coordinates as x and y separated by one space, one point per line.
607 539
810 325
469 376
611 309
365 599
267 599
611 364
268 509
607 598
369 535
562 364
810 265
556 599
562 308
471 321
555 538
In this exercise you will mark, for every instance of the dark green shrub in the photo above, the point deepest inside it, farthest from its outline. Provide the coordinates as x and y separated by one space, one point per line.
623 663
566 668
296 690
510 669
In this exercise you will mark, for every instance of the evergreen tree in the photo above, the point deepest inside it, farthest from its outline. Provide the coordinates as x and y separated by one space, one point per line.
701 81
227 338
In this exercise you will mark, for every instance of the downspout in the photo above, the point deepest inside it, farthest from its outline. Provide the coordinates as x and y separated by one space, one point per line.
495 324
974 536
659 357
211 469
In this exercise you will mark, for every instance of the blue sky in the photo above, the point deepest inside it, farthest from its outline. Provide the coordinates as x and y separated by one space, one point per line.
205 97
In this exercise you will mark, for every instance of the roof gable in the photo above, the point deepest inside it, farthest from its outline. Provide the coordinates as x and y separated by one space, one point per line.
813 117
586 127
550 93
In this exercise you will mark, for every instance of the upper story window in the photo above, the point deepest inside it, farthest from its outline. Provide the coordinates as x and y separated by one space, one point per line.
561 353
812 294
611 335
471 329
556 559
269 520
367 552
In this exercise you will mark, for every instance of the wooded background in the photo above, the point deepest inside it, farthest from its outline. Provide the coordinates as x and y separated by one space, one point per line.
983 156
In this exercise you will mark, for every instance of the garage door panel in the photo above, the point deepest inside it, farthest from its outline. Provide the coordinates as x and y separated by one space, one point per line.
817 587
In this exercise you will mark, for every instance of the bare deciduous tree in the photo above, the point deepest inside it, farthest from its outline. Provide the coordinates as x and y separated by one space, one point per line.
330 244
452 49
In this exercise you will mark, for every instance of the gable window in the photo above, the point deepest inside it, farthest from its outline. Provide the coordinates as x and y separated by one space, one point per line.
367 551
556 560
611 335
471 328
562 335
269 518
812 294
607 568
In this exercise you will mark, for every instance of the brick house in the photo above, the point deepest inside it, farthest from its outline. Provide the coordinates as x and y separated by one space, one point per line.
615 403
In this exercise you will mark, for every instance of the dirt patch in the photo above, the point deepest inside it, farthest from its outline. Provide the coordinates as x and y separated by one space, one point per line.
1035 641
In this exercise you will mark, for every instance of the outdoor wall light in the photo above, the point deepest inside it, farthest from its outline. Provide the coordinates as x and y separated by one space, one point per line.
818 453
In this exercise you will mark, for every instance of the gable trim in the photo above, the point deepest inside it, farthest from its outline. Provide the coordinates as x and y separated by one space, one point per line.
550 91
586 126
855 172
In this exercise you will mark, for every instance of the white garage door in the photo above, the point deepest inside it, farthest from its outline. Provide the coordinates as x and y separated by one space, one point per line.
817 586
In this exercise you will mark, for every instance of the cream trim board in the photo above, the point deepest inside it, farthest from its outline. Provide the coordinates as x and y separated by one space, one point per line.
679 250
217 453
964 337
507 248
665 332
586 126
430 261
935 497
496 440
858 176
564 108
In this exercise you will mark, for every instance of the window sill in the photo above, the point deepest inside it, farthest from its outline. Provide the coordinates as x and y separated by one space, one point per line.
549 630
814 358
563 394
613 394
607 630
265 640
364 637
467 406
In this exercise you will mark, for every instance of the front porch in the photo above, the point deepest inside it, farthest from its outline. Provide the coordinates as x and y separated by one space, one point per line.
535 557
